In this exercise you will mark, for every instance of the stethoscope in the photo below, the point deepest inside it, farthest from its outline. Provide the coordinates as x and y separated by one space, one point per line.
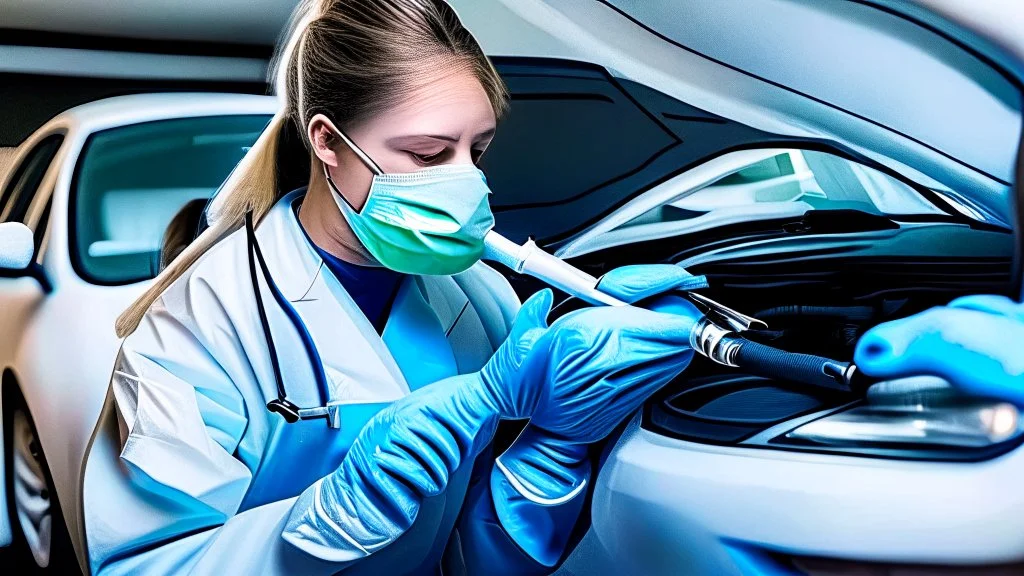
330 411
288 410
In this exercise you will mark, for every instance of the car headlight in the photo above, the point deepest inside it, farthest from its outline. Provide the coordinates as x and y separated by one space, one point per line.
913 414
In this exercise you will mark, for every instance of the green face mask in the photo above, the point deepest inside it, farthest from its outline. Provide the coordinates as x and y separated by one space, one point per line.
429 222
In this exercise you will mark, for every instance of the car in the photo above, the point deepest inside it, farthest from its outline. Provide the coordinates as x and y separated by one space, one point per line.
861 171
97 187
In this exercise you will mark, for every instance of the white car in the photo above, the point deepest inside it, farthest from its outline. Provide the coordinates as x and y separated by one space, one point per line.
97 186
827 169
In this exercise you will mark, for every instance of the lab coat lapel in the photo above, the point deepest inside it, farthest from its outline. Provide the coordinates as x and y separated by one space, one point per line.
359 367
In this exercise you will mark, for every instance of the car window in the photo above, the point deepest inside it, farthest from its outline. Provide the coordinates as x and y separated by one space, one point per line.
749 186
21 188
131 181
39 233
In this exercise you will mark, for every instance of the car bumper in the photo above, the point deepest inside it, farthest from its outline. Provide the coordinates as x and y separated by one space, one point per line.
666 506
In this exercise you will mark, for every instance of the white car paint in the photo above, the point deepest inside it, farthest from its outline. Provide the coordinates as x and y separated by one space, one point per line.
667 506
61 346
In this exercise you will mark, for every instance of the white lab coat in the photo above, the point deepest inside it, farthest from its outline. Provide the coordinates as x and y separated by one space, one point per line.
188 472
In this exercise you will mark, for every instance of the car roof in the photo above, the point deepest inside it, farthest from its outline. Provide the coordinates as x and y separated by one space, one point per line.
138 108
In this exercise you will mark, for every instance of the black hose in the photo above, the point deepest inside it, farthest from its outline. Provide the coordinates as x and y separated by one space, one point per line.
818 371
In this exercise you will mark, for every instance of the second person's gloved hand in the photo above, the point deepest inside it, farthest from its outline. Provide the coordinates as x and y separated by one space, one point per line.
410 449
976 343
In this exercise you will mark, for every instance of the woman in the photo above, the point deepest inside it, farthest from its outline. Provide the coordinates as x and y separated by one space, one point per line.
313 384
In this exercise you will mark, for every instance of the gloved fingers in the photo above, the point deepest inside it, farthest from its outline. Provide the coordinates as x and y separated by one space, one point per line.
631 387
546 465
999 305
591 413
534 443
637 282
976 351
530 323
672 304
590 348
404 470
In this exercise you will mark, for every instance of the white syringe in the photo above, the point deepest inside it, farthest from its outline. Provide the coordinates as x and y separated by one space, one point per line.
715 336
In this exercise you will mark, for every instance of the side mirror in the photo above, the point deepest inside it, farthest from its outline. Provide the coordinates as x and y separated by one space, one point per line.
17 247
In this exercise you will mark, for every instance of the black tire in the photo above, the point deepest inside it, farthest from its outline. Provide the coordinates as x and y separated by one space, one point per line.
61 557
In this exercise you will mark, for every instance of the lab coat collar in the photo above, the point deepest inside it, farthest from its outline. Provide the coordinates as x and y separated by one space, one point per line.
415 337
358 366
293 262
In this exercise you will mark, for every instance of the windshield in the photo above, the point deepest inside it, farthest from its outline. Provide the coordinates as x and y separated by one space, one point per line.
811 180
131 181
753 185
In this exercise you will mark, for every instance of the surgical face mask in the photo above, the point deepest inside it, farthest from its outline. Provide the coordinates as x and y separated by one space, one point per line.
429 222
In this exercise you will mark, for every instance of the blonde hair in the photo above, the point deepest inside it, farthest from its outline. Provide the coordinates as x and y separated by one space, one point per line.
349 60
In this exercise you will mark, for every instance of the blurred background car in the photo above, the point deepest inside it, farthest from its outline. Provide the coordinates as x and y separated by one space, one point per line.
98 186
825 180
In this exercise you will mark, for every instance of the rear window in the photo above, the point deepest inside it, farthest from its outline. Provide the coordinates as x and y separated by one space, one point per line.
131 181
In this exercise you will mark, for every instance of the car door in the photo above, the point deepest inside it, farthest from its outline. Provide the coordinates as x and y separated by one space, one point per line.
26 198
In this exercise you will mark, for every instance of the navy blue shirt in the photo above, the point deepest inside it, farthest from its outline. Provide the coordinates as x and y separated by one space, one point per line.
372 287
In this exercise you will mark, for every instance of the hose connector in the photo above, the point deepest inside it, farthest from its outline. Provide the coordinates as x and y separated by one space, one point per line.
715 342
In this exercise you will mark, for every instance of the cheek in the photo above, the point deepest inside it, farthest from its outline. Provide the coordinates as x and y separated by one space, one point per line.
397 162
354 184
389 160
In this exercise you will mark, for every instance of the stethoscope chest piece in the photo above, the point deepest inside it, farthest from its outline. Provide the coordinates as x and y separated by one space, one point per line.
287 410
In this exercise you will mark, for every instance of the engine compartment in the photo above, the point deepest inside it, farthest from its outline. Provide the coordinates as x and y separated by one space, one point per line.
818 306
818 293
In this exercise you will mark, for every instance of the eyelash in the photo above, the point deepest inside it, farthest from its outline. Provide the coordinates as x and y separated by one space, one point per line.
428 159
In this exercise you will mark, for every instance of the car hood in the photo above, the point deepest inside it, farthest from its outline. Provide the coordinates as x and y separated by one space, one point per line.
923 87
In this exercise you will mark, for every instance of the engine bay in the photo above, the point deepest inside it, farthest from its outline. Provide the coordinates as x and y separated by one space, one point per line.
820 306
815 300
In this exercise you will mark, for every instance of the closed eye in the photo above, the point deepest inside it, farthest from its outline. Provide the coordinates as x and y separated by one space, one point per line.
427 159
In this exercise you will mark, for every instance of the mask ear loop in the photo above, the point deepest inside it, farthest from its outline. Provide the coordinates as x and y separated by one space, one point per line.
363 157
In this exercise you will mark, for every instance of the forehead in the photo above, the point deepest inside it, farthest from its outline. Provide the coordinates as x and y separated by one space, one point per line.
451 101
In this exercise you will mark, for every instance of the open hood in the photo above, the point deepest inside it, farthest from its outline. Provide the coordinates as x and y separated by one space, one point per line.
877 77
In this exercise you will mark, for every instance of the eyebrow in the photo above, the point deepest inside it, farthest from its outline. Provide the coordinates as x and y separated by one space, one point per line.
444 137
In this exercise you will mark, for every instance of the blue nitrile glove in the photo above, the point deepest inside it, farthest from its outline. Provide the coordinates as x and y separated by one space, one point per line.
537 482
410 449
976 343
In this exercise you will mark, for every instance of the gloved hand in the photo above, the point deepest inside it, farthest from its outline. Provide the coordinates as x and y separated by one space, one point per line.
409 450
976 343
621 356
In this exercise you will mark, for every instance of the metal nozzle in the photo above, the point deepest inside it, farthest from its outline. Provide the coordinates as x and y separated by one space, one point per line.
725 316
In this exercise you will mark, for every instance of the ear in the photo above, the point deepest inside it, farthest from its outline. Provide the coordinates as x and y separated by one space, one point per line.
323 137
